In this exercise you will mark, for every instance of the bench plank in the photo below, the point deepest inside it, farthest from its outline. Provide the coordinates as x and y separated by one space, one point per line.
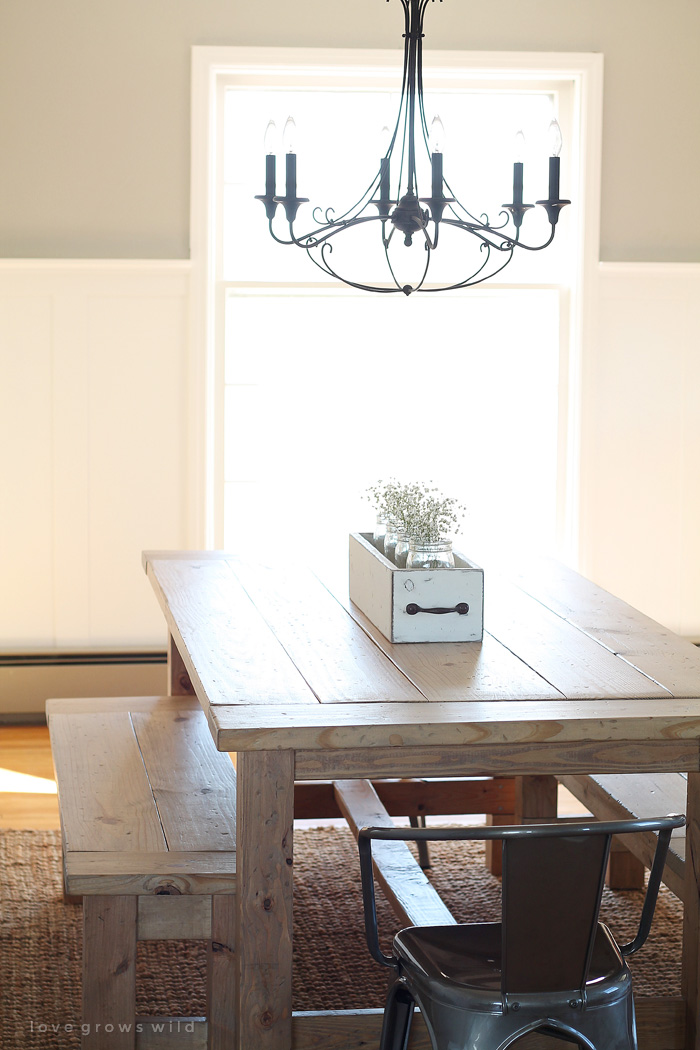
623 797
141 873
193 784
105 805
414 899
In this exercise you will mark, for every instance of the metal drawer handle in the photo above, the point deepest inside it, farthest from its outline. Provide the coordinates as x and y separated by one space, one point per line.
462 608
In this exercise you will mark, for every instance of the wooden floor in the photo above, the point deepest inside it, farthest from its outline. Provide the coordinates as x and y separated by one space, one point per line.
28 789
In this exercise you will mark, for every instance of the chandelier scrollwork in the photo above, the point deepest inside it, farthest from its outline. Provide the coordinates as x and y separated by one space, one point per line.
410 215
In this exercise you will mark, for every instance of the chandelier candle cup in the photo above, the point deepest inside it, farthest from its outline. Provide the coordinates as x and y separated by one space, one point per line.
377 208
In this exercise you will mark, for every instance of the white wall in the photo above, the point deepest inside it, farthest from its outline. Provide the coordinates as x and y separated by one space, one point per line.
640 513
93 439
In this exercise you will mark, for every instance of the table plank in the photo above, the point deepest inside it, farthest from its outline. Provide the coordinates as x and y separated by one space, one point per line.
574 662
457 670
270 727
670 660
614 756
230 653
334 655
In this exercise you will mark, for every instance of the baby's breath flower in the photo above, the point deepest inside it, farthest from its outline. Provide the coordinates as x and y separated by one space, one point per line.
417 508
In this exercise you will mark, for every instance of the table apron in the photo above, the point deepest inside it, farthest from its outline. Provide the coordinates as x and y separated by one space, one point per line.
618 756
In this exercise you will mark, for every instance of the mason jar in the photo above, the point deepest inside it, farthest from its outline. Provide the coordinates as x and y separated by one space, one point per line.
401 548
390 539
430 555
379 533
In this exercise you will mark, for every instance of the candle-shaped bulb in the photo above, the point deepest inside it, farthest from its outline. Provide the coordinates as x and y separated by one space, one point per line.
270 141
384 141
437 136
289 138
554 137
519 147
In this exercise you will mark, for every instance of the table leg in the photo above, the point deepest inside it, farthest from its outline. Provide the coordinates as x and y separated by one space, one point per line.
535 799
265 817
691 915
178 679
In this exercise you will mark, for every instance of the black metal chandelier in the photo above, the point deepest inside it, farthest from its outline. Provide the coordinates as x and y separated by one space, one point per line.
406 214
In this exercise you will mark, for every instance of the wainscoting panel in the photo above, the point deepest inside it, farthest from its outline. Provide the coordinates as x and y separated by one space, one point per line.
94 436
640 513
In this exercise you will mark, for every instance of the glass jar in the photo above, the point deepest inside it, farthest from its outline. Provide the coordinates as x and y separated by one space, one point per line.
430 555
401 548
390 539
379 533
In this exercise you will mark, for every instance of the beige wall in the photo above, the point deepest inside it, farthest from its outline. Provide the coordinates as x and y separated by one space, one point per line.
94 108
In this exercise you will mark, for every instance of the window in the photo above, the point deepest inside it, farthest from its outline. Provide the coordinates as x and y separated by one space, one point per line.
317 390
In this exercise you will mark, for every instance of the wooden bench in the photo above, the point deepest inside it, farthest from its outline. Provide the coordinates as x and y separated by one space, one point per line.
622 796
147 809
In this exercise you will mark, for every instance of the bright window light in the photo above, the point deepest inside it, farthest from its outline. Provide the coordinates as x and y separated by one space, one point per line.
328 390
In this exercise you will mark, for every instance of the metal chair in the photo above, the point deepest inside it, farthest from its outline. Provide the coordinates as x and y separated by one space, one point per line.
549 966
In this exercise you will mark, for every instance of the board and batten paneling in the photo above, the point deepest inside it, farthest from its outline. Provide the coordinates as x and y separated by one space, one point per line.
94 433
640 507
96 426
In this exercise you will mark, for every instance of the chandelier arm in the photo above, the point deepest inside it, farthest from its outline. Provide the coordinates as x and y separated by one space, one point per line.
358 206
504 244
469 282
466 211
314 238
327 268
537 247
428 253
388 262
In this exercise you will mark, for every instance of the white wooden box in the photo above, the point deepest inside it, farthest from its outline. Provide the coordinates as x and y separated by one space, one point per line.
396 600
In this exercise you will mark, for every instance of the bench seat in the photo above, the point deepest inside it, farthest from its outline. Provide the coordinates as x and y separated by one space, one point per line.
147 808
618 796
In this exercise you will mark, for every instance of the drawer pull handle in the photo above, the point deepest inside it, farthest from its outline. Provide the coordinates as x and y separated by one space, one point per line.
462 608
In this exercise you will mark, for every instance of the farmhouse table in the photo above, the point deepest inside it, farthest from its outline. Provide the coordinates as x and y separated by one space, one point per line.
301 686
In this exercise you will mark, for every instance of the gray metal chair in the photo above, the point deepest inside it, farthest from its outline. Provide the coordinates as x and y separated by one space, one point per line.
549 966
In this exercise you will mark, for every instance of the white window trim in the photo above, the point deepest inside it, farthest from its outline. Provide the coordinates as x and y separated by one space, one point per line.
212 67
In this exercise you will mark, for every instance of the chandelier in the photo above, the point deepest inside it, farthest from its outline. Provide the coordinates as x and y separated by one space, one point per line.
418 220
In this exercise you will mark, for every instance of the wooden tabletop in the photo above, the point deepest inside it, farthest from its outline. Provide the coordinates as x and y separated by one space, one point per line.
279 661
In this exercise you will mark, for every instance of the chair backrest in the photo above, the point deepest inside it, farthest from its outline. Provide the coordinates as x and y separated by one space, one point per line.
550 901
553 877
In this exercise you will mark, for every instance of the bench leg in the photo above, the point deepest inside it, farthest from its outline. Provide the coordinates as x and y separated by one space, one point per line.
494 848
109 973
221 974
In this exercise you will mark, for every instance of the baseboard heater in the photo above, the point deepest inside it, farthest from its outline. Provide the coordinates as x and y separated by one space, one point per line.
27 680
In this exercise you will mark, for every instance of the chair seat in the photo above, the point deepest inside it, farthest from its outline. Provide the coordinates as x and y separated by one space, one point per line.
454 963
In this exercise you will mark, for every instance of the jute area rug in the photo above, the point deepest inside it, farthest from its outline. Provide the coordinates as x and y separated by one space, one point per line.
40 937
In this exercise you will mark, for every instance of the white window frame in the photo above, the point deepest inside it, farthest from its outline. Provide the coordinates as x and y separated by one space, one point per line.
212 70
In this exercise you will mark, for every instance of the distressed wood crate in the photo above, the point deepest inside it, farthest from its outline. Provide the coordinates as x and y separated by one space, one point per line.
396 600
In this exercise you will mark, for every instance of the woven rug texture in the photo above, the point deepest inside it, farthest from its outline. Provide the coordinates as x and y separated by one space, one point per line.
40 937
